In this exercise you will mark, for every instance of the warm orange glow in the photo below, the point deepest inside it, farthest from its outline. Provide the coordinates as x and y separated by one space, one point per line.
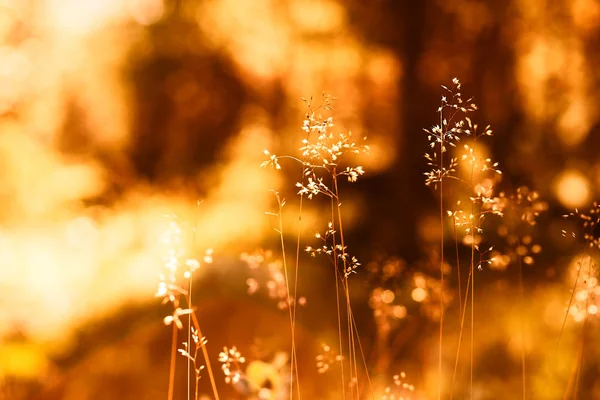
387 296
146 12
586 14
574 123
399 312
572 189
121 120
418 294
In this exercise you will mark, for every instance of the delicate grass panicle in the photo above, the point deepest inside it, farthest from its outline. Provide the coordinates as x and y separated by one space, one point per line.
465 178
179 271
474 177
585 293
231 363
584 299
324 158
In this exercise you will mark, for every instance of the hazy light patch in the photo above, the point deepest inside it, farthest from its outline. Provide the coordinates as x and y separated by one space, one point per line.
146 12
572 189
540 59
282 48
80 17
556 58
383 69
314 16
259 50
586 14
34 195
574 123
418 294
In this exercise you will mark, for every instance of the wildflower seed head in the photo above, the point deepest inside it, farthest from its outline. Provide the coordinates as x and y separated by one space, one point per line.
231 361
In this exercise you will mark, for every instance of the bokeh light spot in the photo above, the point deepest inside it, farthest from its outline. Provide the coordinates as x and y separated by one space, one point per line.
572 189
419 294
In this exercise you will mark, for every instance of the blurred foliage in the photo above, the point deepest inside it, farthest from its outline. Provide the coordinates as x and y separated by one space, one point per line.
116 113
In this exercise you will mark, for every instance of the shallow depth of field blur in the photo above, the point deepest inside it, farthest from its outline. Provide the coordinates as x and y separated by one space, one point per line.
123 120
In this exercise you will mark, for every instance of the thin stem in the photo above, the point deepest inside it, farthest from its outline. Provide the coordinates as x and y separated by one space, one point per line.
352 349
564 323
172 366
585 326
458 270
472 288
460 334
580 362
439 396
521 301
295 358
363 358
287 288
189 341
196 372
337 298
346 272
190 306
205 354
294 361
562 328
472 274
353 336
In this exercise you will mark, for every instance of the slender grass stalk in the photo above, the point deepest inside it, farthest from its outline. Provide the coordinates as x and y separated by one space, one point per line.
295 356
590 224
522 303
364 360
582 346
354 381
564 322
458 271
320 160
460 334
196 394
472 229
294 360
189 331
447 133
351 350
294 366
442 150
370 383
337 297
351 343
200 342
211 376
189 340
172 365
472 310
573 383
579 366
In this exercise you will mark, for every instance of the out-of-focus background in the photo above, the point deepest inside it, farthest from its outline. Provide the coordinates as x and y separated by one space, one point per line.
115 113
